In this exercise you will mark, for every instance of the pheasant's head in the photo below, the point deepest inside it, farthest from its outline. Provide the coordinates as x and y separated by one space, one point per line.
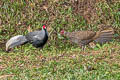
62 32
44 27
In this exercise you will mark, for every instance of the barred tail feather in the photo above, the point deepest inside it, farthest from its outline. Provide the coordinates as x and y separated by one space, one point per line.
106 36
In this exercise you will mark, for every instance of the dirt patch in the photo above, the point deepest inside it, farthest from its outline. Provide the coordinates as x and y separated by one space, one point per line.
2 46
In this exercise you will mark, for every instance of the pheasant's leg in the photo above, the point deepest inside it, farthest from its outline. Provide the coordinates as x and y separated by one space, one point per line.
41 49
83 48
79 43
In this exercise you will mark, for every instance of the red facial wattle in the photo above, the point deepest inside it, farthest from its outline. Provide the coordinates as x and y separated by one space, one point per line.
44 27
62 31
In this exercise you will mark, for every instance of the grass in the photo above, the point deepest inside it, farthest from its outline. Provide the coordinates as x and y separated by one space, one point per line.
58 64
59 60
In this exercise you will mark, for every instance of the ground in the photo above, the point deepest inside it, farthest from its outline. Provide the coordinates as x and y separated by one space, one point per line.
59 60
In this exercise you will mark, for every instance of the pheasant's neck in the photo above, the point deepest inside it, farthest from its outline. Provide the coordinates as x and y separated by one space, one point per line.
67 34
46 33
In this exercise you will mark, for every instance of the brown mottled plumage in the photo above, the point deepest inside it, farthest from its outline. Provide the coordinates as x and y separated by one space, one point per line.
82 38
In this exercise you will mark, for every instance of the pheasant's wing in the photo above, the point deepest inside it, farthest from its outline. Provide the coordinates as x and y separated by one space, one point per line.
83 35
81 42
34 36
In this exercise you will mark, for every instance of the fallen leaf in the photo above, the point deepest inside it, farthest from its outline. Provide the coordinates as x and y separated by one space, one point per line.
5 76
92 45
2 67
29 29
46 8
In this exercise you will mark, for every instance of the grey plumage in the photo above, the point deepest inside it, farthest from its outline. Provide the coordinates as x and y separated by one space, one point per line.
36 38
15 41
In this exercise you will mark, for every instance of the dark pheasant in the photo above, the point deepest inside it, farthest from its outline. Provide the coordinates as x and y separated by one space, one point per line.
36 38
82 38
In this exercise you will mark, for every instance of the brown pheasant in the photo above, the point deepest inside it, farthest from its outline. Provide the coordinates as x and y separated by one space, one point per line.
83 38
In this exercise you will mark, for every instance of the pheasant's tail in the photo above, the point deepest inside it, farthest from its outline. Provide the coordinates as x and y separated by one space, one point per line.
15 41
106 36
